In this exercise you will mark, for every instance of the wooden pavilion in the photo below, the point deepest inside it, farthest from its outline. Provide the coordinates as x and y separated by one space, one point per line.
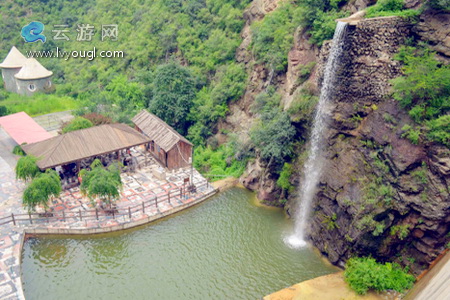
75 146
167 146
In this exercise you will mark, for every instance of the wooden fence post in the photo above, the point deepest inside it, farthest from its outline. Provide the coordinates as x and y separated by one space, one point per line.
113 213
81 217
29 215
64 216
129 212
156 200
181 193
14 220
96 213
143 207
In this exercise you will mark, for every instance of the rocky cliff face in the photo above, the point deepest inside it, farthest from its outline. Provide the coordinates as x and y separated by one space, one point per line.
240 119
379 194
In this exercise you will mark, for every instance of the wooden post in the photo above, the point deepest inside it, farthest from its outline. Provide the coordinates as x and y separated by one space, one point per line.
129 212
14 220
181 193
113 213
145 155
96 213
143 207
168 196
29 215
64 216
156 200
79 212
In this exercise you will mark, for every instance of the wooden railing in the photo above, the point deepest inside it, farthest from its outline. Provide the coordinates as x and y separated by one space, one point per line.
96 214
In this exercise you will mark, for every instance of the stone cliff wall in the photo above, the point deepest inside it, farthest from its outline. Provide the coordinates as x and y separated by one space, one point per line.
379 195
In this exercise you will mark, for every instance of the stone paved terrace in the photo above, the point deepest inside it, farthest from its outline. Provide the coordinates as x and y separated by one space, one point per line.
139 187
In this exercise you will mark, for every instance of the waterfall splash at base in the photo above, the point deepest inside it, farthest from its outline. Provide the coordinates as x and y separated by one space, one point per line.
314 164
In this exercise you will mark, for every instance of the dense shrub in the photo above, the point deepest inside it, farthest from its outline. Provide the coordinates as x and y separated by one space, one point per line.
285 175
439 4
219 163
76 124
424 90
17 150
3 111
97 119
385 8
273 36
364 273
439 130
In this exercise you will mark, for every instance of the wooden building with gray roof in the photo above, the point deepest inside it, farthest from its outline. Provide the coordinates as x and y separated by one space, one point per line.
167 146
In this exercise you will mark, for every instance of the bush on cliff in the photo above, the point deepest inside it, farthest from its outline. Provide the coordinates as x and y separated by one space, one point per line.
424 90
384 8
364 273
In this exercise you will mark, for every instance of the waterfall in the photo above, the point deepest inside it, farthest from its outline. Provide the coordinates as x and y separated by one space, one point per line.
314 164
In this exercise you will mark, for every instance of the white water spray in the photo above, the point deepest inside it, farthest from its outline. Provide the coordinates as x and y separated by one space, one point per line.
313 166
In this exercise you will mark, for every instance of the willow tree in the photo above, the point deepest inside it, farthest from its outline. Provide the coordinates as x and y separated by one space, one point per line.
27 168
100 182
43 188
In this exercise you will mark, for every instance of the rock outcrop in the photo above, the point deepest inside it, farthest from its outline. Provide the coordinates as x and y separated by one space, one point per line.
240 119
433 28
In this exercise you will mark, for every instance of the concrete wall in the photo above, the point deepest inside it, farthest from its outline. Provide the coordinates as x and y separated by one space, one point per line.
9 79
29 87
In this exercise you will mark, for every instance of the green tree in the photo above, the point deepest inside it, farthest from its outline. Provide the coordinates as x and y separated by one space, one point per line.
173 94
41 190
273 136
76 124
27 168
102 183
125 93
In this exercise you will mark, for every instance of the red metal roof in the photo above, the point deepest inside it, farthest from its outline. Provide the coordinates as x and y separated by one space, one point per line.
23 129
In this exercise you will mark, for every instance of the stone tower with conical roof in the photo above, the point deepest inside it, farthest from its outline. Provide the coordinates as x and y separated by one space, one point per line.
24 76
33 77
10 67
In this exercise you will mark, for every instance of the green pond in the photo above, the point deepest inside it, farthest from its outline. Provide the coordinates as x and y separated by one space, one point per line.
225 248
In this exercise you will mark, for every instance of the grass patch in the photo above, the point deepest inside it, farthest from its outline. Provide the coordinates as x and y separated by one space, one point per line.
39 104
